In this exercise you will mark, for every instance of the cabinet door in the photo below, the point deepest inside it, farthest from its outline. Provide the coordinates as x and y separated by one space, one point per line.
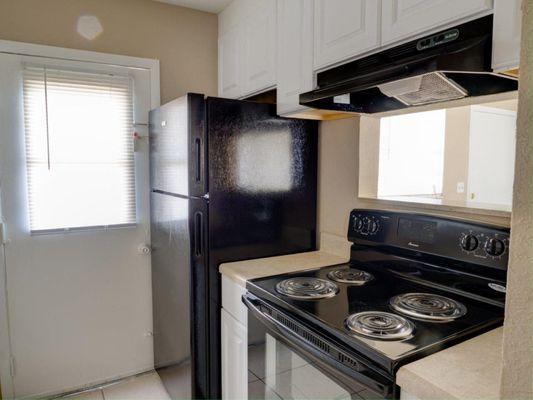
229 63
234 358
345 29
260 47
295 53
506 39
406 18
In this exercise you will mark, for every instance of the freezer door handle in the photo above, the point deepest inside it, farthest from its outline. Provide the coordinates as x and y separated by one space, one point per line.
198 159
198 234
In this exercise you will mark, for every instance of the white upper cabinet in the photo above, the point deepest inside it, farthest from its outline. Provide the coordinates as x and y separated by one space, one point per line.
506 39
295 54
229 63
247 48
402 19
345 29
260 47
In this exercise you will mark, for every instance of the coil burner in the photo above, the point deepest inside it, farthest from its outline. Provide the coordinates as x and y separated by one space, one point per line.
429 307
307 288
380 325
350 275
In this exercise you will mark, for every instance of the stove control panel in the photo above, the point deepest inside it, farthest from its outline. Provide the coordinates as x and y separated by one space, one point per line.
456 239
366 225
484 244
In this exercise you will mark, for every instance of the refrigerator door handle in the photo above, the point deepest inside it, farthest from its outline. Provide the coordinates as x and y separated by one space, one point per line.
198 234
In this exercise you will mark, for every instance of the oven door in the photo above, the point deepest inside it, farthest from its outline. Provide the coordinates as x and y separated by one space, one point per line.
287 360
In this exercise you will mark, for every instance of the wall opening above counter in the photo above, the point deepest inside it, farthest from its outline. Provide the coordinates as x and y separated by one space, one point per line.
459 156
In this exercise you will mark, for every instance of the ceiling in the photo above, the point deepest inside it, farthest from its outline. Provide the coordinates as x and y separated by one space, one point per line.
212 6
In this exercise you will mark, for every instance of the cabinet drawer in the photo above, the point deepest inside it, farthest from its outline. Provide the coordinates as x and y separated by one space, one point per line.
231 300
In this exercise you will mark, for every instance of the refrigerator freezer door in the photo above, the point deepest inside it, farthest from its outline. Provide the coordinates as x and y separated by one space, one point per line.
171 274
178 147
262 193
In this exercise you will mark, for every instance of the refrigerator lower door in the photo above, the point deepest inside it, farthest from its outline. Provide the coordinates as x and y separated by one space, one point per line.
171 276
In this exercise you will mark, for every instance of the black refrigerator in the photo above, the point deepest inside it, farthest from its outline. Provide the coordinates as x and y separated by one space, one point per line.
230 181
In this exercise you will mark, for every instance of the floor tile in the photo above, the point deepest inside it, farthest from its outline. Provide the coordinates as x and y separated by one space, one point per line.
258 391
283 385
252 377
144 387
177 380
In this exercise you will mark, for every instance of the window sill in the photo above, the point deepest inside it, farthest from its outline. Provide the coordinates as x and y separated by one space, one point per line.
99 228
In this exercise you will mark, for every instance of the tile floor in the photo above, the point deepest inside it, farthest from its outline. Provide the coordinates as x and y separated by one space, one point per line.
144 387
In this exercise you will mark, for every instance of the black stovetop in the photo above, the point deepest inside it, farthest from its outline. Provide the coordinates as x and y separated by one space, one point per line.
393 275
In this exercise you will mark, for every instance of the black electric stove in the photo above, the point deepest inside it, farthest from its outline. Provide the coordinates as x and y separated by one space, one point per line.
415 285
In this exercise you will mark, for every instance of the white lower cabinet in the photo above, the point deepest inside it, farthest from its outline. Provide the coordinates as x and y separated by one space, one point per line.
234 341
234 358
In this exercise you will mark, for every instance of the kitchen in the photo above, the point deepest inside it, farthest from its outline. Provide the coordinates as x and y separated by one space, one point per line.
293 183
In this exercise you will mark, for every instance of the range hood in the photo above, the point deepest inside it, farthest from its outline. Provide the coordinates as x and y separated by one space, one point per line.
448 65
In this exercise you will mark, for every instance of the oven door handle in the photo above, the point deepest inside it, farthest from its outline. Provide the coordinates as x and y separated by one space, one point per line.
344 362
272 324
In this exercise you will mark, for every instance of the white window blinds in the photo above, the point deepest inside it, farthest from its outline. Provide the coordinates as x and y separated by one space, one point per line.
79 149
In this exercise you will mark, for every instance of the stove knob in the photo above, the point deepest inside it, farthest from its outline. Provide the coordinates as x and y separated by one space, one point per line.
495 247
357 224
469 243
374 227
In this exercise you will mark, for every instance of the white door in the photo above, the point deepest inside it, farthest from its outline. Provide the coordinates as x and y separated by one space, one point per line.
295 54
260 47
491 158
234 344
345 29
230 63
79 304
405 18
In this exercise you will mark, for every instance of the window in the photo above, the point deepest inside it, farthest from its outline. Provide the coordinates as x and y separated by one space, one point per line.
411 155
79 149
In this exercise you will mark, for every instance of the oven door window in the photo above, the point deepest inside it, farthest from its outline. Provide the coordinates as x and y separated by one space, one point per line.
277 370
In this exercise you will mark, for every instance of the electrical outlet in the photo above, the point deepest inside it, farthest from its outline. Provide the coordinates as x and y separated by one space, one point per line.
460 187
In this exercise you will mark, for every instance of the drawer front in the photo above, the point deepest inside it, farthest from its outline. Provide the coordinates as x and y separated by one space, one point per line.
231 300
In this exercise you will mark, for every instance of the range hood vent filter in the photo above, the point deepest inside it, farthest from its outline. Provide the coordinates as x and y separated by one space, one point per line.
423 89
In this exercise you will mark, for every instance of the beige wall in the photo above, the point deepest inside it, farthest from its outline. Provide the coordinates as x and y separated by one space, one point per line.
456 148
517 377
184 40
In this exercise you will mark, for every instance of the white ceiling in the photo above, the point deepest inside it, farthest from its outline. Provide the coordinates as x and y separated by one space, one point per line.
212 6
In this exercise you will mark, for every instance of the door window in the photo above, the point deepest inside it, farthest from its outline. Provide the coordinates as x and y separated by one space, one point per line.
79 149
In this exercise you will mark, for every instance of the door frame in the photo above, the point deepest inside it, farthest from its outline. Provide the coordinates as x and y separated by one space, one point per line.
58 53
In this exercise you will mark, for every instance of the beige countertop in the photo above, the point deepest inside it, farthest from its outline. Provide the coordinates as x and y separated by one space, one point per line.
242 271
470 370
333 250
